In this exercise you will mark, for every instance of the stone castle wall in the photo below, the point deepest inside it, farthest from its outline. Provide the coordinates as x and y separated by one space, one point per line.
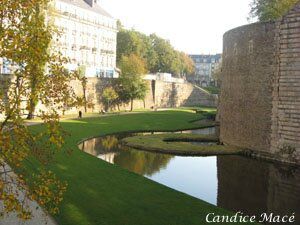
160 94
246 93
260 95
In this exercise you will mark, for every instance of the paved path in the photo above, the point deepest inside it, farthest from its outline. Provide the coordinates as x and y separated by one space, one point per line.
39 215
39 218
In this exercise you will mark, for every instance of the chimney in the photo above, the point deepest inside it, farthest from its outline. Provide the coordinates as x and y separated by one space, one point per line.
91 2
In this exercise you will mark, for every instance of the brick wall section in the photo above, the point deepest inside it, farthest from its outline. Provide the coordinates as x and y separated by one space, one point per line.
246 92
286 95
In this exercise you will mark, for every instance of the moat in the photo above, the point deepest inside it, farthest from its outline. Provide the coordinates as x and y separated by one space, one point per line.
236 183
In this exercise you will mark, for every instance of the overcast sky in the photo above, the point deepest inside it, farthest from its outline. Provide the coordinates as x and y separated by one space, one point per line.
192 26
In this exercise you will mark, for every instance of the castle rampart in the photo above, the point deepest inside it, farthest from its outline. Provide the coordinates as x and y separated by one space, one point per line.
160 94
260 94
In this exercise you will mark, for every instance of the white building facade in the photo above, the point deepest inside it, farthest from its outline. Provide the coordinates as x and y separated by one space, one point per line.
88 38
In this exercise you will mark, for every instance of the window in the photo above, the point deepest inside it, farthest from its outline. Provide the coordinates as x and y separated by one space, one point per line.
110 73
102 73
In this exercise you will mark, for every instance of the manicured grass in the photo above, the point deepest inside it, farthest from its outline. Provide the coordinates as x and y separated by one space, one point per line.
101 193
179 144
195 109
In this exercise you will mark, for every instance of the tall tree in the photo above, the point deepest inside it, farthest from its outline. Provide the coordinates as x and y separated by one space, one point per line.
165 53
132 86
128 42
267 10
158 54
39 55
39 77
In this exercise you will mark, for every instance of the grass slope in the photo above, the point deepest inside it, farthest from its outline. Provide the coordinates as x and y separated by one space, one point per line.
101 193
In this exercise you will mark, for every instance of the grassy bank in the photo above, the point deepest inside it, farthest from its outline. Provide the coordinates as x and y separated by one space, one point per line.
101 193
179 144
212 90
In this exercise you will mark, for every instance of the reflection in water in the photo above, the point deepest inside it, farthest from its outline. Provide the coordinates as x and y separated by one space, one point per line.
196 176
109 149
232 182
144 163
254 187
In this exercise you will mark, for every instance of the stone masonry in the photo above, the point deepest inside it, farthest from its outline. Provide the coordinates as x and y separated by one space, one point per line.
260 94
160 94
286 93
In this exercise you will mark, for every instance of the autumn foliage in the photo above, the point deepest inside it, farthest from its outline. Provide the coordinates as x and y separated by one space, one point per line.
39 77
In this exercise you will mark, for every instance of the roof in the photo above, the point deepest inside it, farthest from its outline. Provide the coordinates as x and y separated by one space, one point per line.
83 4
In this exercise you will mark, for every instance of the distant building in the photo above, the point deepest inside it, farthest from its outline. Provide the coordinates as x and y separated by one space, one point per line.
89 38
205 65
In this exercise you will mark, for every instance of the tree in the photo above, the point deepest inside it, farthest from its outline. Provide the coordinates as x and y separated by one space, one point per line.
188 65
128 42
119 25
39 54
109 95
216 75
165 54
267 10
131 84
81 71
25 39
158 54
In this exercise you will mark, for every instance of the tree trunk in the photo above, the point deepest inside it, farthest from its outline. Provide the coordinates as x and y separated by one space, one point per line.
30 115
131 108
85 101
84 84
33 99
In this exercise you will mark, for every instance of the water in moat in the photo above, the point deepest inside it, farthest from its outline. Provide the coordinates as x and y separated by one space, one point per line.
233 182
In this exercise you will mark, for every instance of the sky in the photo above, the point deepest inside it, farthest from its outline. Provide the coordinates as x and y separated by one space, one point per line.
192 26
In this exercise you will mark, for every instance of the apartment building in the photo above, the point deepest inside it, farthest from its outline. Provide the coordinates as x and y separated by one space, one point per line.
205 65
88 37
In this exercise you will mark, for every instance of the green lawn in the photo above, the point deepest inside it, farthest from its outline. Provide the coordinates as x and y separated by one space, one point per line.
179 144
101 193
